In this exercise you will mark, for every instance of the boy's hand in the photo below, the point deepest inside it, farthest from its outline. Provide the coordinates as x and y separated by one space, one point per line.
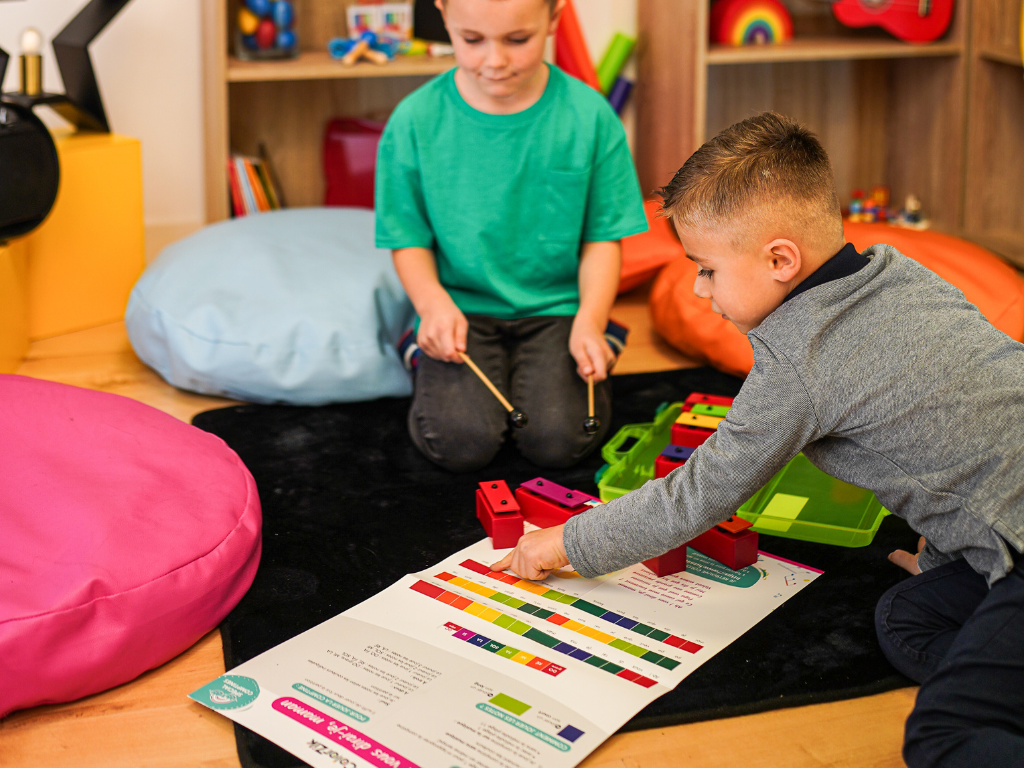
590 349
907 561
443 330
536 555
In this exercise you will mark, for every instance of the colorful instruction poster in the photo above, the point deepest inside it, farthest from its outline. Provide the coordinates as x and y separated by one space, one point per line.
459 666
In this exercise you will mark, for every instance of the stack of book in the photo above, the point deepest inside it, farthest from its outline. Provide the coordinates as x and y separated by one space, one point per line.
253 185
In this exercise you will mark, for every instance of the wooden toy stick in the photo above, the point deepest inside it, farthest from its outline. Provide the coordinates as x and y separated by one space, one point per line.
591 424
516 417
494 390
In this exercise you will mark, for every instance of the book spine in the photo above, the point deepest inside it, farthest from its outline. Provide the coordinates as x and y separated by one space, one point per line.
257 188
243 179
237 206
268 188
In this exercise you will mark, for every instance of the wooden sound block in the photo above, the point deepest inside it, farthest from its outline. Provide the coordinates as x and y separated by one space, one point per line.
505 527
673 561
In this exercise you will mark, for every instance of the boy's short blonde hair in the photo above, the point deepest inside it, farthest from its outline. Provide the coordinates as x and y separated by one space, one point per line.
765 172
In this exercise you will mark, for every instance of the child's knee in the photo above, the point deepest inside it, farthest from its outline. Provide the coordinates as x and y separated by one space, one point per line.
558 447
464 446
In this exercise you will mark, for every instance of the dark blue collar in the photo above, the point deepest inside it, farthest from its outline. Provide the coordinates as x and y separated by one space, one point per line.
843 264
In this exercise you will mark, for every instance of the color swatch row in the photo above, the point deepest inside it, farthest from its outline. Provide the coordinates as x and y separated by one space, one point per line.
595 610
521 628
505 651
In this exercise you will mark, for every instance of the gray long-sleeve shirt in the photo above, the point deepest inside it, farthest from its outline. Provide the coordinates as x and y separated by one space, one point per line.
888 379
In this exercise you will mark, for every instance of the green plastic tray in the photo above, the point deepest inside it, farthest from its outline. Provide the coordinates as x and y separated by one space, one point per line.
799 502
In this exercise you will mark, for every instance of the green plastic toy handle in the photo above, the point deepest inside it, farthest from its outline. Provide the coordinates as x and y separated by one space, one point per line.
611 453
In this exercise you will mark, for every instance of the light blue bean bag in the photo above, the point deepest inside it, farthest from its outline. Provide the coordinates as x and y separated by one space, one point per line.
293 306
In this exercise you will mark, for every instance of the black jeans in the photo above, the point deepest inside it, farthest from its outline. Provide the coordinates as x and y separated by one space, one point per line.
458 424
964 643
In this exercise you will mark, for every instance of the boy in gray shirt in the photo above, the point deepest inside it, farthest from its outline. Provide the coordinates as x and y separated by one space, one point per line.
885 377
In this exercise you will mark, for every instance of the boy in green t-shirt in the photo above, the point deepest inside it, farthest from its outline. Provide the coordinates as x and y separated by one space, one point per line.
503 189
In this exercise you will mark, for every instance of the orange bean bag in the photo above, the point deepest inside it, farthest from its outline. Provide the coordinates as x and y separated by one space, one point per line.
645 254
688 323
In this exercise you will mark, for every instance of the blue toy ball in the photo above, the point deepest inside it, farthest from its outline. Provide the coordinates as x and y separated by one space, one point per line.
284 14
249 41
286 39
260 7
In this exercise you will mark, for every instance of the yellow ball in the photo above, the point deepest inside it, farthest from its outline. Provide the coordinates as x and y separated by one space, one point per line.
247 21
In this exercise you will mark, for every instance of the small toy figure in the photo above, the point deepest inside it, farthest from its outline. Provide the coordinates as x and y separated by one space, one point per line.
856 206
910 217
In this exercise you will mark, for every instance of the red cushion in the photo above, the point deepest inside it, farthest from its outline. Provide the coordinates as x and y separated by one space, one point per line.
645 254
688 323
125 536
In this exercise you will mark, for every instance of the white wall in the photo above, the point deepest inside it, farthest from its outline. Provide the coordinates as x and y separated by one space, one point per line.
148 65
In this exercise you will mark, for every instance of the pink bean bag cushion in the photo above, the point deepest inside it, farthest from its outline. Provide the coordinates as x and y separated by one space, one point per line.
689 324
125 536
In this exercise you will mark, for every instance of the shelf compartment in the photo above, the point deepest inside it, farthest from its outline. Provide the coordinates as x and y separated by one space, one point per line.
1011 57
828 49
318 65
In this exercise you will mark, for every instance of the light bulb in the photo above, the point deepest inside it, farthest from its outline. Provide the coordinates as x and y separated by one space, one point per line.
31 42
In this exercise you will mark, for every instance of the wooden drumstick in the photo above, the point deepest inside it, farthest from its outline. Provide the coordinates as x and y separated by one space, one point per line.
591 424
517 417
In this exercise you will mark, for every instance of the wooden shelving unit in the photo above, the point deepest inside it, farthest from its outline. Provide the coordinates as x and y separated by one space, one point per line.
829 49
993 204
888 112
285 104
318 65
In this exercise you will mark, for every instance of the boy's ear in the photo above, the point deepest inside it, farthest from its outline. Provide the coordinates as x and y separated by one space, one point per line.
556 14
439 4
785 259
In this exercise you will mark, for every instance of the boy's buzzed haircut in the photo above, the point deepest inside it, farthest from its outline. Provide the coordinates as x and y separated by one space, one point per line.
751 168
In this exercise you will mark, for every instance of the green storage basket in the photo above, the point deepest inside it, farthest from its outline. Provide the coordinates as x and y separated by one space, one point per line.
799 502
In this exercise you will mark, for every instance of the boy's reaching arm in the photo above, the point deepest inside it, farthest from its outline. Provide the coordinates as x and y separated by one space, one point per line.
443 327
771 421
600 265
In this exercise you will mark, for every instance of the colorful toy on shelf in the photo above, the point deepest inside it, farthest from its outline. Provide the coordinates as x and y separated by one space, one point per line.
910 217
870 209
571 54
546 504
392 20
749 22
615 57
265 30
498 512
914 22
368 45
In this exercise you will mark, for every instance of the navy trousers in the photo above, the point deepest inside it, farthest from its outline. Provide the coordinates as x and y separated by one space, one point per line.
964 643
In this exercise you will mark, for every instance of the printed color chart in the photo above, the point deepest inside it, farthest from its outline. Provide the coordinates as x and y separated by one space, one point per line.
505 651
594 610
513 624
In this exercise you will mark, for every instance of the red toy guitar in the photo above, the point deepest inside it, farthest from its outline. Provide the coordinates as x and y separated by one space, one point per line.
915 21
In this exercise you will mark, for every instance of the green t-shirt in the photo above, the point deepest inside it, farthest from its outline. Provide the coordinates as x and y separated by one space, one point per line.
505 201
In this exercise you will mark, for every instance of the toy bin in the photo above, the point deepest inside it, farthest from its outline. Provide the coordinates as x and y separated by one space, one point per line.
802 502
630 467
799 502
350 161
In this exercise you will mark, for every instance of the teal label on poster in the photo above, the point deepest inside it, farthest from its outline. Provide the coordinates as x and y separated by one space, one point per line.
228 692
701 565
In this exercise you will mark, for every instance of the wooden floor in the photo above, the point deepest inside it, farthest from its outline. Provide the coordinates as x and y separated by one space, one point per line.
149 723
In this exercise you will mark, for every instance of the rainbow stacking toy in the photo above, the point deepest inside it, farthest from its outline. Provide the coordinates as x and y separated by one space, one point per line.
750 22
